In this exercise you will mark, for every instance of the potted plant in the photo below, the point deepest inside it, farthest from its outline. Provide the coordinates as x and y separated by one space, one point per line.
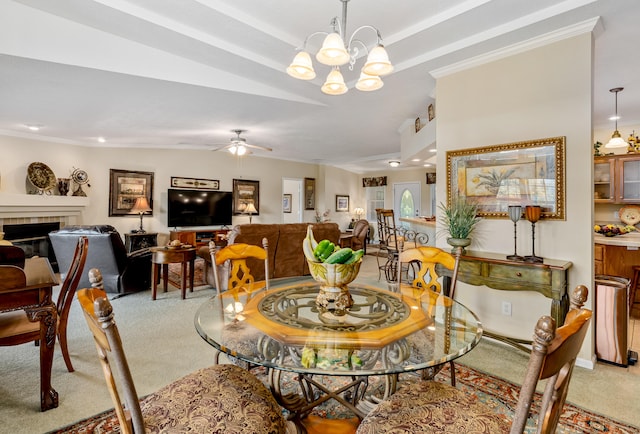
459 220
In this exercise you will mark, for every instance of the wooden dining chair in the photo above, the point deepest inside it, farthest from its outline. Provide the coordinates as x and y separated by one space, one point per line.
218 399
444 409
238 273
12 255
15 327
425 277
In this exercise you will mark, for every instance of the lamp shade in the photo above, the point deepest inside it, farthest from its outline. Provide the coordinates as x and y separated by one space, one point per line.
616 141
301 67
250 209
335 83
378 62
333 52
367 83
141 205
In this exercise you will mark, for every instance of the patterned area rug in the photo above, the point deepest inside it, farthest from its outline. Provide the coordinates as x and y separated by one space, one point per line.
495 392
198 277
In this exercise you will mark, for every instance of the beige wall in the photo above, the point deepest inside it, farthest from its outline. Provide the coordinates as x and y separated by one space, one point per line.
544 92
19 153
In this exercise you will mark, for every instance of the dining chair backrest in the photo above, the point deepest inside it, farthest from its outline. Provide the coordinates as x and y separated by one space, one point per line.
68 292
387 229
12 277
427 258
12 255
98 313
553 357
237 255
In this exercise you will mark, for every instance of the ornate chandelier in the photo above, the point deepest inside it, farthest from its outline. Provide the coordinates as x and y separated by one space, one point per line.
335 53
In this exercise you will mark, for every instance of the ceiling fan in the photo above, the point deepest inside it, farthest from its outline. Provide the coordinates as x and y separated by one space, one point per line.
239 146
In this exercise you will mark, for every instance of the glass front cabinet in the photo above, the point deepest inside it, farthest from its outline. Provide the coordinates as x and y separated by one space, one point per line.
617 179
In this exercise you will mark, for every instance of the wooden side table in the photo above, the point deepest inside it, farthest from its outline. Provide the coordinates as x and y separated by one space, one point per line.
165 256
137 241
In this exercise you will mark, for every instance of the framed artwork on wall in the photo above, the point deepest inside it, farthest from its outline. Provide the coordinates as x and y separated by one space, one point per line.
309 193
202 184
521 173
342 203
125 187
246 193
286 203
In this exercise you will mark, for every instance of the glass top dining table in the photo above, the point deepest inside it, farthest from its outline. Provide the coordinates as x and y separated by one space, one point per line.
383 333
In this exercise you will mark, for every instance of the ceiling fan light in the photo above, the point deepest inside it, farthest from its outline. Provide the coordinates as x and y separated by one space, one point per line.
334 85
333 52
301 67
367 83
241 150
378 62
233 149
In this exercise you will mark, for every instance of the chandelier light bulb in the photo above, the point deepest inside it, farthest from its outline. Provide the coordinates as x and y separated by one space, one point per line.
301 67
335 83
378 62
368 82
333 52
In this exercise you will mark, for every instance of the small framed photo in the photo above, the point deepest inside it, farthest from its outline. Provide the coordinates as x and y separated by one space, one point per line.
309 193
286 203
125 186
246 193
432 112
342 203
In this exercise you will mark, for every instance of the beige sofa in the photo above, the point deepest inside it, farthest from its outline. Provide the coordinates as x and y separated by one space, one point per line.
285 247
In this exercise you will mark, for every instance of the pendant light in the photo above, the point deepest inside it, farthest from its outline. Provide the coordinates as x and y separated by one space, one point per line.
616 140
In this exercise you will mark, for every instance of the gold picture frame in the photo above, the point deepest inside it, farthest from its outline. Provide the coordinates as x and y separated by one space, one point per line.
309 193
244 193
522 173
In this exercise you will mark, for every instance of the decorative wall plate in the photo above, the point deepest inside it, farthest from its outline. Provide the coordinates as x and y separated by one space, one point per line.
630 215
41 176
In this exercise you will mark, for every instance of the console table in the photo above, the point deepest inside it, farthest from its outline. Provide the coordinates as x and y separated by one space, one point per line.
548 278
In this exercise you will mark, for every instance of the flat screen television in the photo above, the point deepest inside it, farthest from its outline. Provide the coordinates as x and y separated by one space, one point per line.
199 208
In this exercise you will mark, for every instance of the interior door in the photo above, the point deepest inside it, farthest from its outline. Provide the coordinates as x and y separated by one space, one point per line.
406 199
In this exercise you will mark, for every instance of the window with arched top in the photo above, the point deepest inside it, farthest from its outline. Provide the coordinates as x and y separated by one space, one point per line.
407 206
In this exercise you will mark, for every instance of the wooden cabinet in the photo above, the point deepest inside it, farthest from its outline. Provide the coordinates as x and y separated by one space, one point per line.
138 241
615 260
201 237
617 179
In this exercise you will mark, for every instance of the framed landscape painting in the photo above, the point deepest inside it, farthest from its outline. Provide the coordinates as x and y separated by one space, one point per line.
342 203
521 173
244 193
125 186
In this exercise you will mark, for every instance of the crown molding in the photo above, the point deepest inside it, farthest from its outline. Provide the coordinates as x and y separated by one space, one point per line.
587 26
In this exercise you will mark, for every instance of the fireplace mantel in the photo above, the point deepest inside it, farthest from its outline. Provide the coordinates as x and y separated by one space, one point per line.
35 205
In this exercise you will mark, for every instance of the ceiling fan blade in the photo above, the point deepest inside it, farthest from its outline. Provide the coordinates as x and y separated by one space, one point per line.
264 148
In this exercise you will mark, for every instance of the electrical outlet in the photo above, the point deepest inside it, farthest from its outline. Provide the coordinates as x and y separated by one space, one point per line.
506 308
616 215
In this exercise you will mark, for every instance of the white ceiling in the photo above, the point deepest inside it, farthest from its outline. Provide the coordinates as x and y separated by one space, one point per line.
183 73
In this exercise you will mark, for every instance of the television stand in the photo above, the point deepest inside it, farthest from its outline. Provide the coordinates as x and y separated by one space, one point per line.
200 237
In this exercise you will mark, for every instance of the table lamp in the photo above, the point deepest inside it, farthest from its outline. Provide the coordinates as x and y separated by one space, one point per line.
141 206
250 209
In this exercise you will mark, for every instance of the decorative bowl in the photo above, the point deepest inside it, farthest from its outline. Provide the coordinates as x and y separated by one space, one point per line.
333 277
334 294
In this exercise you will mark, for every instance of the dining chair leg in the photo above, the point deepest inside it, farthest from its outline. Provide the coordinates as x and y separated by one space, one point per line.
452 368
62 338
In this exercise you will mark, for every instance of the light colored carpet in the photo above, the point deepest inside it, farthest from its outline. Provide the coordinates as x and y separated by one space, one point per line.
162 345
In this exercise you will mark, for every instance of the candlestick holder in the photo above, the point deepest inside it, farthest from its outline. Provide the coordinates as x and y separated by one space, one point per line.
515 213
532 212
